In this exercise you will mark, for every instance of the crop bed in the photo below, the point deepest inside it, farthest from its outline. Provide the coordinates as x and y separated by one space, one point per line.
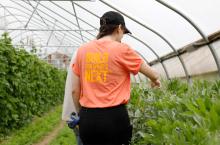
176 114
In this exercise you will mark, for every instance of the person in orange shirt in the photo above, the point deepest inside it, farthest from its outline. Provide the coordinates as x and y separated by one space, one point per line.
102 83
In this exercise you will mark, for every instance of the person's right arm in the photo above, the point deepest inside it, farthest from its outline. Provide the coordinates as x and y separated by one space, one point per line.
133 63
151 74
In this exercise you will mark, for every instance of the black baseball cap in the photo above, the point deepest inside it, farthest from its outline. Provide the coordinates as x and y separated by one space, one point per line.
113 18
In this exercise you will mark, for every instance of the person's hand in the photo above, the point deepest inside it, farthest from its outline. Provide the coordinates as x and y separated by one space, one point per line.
74 120
155 84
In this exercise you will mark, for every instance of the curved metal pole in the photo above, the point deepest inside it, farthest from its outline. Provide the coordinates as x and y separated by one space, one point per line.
198 29
23 34
61 17
37 19
38 14
143 58
12 14
32 14
139 40
11 31
153 31
72 14
42 17
35 24
77 21
44 21
164 67
47 19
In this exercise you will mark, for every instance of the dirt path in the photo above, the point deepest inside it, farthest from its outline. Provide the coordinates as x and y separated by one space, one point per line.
47 139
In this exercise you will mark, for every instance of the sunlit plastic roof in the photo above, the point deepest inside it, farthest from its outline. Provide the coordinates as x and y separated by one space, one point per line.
64 25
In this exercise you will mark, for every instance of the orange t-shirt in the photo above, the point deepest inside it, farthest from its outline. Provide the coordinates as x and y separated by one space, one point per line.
104 68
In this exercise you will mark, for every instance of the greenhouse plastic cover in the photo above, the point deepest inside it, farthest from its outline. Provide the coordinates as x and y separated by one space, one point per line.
63 26
58 15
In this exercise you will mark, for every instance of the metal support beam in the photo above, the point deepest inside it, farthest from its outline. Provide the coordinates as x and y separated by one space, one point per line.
153 31
35 8
61 42
50 17
69 46
65 0
30 29
44 18
77 21
12 22
68 39
21 22
61 17
198 29
143 59
38 14
74 16
5 25
51 33
151 49
10 13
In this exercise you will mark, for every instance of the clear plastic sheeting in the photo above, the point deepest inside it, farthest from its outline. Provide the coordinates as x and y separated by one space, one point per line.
157 31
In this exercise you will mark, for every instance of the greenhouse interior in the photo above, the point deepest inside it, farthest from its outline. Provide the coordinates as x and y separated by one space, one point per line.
179 39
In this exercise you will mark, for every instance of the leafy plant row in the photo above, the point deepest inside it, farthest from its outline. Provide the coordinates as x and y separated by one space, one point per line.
176 114
28 86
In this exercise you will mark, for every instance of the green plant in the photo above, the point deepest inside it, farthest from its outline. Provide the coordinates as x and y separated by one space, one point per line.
28 86
176 114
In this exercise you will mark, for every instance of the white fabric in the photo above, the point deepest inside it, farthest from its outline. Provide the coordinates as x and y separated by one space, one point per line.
68 105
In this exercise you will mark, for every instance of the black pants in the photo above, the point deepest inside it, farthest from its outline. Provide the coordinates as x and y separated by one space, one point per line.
105 126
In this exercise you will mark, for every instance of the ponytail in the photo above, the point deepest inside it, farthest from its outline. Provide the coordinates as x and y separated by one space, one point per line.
105 30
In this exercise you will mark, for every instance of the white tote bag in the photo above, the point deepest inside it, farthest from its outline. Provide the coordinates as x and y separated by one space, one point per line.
68 105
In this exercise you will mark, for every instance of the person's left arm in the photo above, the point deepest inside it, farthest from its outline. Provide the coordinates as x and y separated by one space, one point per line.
76 82
76 91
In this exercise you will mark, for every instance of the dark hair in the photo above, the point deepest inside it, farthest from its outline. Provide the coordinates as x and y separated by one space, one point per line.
106 30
